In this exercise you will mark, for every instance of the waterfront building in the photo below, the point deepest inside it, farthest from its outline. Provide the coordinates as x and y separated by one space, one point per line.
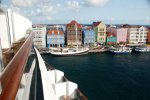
54 27
148 36
39 32
13 27
55 38
111 38
120 33
136 34
88 35
100 32
71 37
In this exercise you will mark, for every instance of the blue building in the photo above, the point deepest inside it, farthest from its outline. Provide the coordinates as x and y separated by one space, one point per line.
88 35
55 38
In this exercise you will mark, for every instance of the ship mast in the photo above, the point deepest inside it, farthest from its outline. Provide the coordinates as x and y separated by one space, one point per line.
58 38
76 35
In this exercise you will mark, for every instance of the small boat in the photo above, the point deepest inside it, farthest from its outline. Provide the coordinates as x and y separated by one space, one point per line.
122 50
70 52
142 49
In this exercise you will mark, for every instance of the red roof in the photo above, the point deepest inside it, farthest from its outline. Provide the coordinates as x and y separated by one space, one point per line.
55 32
110 34
130 26
88 28
96 23
73 22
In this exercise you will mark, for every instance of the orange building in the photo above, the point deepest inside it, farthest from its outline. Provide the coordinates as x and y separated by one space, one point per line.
73 38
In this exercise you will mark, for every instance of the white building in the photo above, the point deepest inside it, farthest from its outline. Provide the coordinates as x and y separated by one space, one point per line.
39 32
137 34
13 27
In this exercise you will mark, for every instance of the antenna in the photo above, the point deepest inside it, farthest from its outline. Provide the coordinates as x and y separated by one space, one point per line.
58 36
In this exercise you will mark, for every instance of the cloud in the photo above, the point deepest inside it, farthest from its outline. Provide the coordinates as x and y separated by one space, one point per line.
94 2
71 4
36 8
24 3
49 18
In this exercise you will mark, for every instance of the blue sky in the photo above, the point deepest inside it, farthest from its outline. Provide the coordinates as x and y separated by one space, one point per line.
84 11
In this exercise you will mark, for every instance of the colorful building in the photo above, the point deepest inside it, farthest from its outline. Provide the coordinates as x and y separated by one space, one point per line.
136 34
111 38
55 38
74 33
100 32
120 33
88 35
39 32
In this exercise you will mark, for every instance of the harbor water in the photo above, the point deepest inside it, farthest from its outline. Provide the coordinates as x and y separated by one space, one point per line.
105 76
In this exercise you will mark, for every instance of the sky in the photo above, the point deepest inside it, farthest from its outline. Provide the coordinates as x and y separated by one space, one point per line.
83 11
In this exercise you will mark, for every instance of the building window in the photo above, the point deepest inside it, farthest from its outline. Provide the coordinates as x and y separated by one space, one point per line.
101 29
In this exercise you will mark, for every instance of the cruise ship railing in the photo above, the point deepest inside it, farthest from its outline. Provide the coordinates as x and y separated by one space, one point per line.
11 76
79 94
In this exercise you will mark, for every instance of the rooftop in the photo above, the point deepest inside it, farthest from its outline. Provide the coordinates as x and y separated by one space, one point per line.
96 23
50 32
110 34
73 22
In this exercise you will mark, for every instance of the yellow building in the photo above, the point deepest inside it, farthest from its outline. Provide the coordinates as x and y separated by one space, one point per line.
100 32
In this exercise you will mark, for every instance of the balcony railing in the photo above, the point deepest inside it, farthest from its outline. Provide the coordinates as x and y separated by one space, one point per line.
12 74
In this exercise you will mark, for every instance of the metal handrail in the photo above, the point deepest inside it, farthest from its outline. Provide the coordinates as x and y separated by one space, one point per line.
12 74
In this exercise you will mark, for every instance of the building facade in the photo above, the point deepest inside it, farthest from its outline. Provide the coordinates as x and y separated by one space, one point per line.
148 36
55 38
39 32
137 34
74 33
111 38
88 35
120 33
100 32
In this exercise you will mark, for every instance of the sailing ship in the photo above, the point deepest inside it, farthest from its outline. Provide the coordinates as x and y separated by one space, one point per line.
70 51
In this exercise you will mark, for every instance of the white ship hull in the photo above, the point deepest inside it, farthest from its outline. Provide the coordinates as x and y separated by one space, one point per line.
70 52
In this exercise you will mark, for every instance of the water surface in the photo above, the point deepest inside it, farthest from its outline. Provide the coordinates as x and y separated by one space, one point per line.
104 76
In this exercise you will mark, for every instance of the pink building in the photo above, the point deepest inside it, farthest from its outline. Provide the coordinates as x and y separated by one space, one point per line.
121 33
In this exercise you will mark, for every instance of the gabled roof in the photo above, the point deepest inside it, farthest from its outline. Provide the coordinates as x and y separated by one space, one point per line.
73 22
96 23
55 32
88 28
110 34
130 26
